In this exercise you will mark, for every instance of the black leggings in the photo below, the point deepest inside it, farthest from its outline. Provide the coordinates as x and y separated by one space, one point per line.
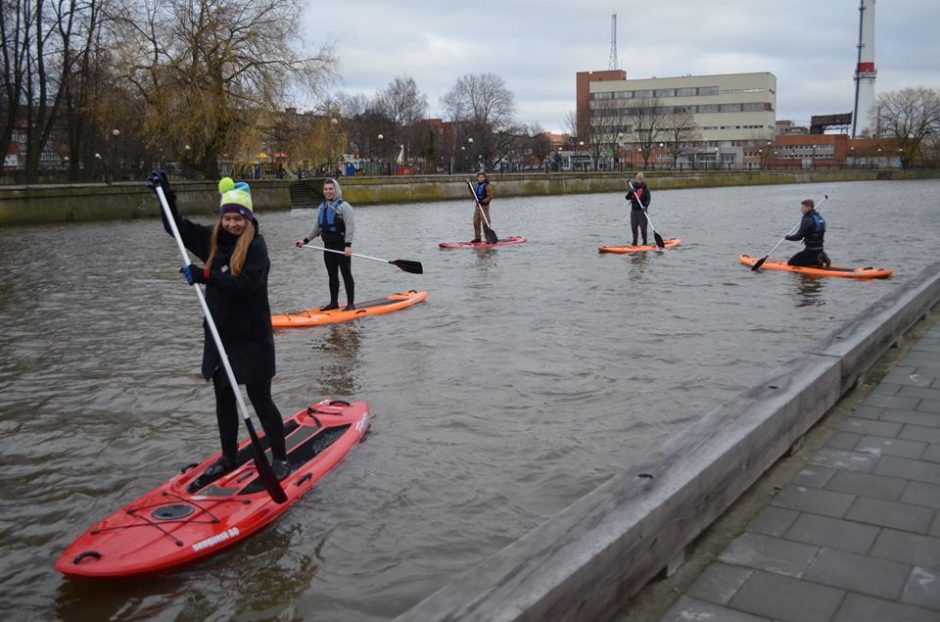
809 258
226 412
334 264
638 223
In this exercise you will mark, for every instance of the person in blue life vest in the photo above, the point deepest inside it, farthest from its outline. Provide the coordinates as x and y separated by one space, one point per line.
639 198
484 192
812 231
235 275
335 226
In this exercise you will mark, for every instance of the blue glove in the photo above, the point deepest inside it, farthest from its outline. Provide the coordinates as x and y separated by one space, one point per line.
194 274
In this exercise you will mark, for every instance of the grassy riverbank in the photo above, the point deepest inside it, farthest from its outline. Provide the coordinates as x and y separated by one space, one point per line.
27 205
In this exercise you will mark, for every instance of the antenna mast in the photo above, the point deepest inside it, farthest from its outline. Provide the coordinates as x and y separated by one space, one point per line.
612 63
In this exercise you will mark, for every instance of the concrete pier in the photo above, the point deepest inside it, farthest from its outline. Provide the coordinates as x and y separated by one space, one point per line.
854 535
592 559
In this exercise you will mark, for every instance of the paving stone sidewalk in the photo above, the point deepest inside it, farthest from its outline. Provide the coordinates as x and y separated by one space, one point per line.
855 535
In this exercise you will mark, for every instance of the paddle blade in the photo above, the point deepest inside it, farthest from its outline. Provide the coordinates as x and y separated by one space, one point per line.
413 267
759 263
265 472
490 235
659 240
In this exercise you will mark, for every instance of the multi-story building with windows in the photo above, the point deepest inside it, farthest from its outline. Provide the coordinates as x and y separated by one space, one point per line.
729 115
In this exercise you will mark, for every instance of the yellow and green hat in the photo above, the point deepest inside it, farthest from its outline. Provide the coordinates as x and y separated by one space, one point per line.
236 198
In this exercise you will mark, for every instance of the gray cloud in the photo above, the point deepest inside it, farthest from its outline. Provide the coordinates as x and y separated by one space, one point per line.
538 46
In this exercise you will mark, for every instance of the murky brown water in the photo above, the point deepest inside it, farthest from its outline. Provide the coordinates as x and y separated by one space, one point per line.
533 373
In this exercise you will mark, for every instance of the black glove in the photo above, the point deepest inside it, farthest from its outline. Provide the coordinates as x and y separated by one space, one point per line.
158 179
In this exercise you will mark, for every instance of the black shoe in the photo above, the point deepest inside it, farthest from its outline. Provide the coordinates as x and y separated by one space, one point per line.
824 260
475 241
221 466
330 307
281 468
349 307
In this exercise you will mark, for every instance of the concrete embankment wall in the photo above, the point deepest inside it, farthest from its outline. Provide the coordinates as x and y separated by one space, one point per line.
590 559
24 205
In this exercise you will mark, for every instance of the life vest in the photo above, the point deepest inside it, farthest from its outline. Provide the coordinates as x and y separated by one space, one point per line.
481 190
332 225
814 238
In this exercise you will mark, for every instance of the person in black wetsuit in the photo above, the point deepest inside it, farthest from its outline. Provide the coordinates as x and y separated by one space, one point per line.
812 231
335 225
639 198
236 279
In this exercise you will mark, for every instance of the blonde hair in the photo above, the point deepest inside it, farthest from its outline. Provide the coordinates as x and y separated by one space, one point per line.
237 262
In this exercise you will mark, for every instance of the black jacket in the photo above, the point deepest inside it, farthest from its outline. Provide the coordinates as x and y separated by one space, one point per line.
812 231
239 304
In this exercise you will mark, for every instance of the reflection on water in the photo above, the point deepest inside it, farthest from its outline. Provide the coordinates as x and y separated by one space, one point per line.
340 345
809 290
533 373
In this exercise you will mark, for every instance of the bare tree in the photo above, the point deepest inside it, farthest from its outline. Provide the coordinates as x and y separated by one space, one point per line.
608 127
539 144
366 120
486 106
42 43
648 119
680 135
909 116
407 107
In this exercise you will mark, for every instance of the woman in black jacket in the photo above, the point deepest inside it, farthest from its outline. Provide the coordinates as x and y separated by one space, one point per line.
236 279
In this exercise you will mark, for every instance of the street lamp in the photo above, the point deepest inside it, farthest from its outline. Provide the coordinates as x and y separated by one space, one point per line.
109 165
186 150
382 150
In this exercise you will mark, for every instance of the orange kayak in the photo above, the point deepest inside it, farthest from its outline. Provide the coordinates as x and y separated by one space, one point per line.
670 243
315 317
845 273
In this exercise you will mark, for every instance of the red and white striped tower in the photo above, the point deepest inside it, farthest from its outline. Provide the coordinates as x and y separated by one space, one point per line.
865 71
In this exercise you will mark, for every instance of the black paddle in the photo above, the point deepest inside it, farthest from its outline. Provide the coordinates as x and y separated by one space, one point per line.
407 265
760 262
265 472
487 231
660 242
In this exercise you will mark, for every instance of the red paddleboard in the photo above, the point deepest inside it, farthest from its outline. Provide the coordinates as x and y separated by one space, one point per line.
190 517
516 239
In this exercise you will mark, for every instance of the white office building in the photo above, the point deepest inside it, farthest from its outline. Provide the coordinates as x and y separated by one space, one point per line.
733 114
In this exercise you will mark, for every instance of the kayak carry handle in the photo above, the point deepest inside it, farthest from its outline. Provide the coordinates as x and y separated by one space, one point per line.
86 554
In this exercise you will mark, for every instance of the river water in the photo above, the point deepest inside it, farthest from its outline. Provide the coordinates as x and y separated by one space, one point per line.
533 374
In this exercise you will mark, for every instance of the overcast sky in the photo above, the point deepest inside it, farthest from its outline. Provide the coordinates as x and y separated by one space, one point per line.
537 47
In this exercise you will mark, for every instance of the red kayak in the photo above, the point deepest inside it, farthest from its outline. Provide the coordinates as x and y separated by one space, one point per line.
191 516
516 239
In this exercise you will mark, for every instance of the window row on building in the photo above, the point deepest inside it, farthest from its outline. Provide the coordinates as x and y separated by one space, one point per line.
602 110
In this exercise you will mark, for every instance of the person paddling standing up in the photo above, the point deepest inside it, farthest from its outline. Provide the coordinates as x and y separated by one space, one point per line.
484 192
812 231
335 225
236 279
639 197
